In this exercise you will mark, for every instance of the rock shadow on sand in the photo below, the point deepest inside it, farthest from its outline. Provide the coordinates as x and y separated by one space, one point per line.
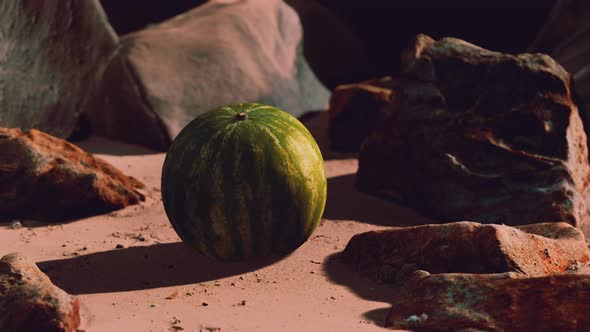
143 267
363 286
345 202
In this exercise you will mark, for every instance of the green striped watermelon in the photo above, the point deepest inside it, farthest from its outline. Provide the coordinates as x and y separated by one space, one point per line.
244 181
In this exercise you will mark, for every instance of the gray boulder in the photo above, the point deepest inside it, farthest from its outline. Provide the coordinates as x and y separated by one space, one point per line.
51 56
220 53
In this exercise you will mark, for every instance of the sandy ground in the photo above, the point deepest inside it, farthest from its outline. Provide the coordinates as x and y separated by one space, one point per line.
153 282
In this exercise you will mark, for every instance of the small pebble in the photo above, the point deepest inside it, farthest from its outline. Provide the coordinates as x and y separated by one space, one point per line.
204 304
119 246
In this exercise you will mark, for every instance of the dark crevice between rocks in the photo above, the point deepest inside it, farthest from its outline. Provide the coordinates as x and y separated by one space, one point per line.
82 130
583 110
165 139
124 113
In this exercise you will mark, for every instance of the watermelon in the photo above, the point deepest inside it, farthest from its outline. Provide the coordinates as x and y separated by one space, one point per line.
244 181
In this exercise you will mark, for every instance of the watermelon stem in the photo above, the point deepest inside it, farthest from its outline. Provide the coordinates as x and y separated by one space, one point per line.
241 116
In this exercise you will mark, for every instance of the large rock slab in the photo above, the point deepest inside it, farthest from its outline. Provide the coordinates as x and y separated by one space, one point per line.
483 136
46 178
220 53
492 302
468 275
51 56
30 302
469 247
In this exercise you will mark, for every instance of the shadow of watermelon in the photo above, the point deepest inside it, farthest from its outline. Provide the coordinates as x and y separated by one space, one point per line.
143 267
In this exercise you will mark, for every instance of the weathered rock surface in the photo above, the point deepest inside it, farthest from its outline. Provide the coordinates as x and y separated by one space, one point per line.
30 302
46 178
356 109
220 53
484 277
469 247
51 56
492 302
481 136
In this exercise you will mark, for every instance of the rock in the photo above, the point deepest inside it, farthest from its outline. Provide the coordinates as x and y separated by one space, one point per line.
51 57
356 109
220 53
467 275
469 247
482 136
30 302
492 302
46 178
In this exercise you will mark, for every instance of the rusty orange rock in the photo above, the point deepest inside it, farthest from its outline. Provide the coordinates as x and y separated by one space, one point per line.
47 178
30 302
493 302
467 275
469 247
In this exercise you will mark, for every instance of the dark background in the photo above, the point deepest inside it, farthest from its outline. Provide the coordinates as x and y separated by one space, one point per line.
348 40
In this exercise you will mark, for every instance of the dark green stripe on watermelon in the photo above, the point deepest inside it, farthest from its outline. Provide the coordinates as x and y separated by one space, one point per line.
237 189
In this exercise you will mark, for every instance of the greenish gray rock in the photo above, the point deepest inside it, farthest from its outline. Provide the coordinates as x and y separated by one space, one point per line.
51 56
